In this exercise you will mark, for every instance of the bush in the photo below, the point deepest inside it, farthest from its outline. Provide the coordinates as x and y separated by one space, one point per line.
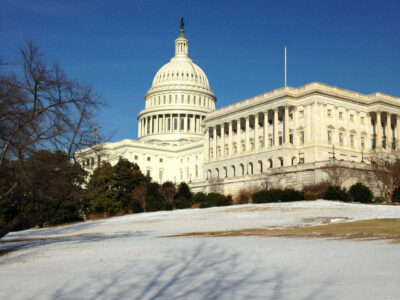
182 202
289 194
360 193
336 193
277 195
244 196
154 199
379 200
310 196
183 197
212 199
319 189
261 197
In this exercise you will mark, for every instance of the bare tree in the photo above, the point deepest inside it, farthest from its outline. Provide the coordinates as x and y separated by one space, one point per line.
387 172
40 109
338 173
168 191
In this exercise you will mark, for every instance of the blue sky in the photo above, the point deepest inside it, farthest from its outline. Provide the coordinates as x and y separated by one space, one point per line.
118 46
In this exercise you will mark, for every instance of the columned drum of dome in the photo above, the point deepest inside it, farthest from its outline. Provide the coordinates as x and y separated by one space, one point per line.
178 100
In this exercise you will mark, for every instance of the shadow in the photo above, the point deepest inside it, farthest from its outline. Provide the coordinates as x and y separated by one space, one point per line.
19 243
204 272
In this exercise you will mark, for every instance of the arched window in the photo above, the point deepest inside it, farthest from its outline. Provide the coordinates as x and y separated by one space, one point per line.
293 160
170 99
217 173
182 123
271 165
196 171
188 99
92 162
209 175
241 169
250 168
226 172
233 171
281 161
260 164
176 99
175 123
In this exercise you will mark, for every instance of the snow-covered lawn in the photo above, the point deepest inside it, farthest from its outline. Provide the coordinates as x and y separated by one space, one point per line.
129 257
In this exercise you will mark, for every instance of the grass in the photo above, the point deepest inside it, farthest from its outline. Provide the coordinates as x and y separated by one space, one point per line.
375 229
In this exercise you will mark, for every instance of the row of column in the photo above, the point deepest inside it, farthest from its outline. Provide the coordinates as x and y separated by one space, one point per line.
275 136
168 123
389 133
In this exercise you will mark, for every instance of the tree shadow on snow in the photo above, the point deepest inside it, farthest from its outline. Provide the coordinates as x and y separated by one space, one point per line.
204 272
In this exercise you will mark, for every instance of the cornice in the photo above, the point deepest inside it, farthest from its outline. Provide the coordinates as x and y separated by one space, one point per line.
291 94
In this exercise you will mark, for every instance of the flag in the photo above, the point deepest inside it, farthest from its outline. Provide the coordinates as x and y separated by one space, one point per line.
94 132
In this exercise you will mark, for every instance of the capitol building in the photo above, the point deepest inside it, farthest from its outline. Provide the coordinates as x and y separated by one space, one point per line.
281 138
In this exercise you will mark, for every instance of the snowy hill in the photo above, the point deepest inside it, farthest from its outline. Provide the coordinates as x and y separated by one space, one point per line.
130 257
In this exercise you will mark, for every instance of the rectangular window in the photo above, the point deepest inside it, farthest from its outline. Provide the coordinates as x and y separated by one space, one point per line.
362 120
291 138
149 158
341 139
280 140
351 118
352 141
270 143
329 137
329 113
362 143
301 113
148 173
135 157
161 160
340 115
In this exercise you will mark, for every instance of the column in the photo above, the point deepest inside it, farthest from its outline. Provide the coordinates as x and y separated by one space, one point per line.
276 122
388 132
215 142
247 134
378 130
230 145
185 126
238 135
286 126
164 129
256 127
207 145
192 124
266 124
140 128
197 122
157 125
151 124
223 140
145 125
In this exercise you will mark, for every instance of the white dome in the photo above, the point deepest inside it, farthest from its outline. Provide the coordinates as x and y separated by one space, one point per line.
181 71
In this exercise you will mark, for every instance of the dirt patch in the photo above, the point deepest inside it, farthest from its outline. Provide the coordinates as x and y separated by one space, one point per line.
325 220
380 229
4 252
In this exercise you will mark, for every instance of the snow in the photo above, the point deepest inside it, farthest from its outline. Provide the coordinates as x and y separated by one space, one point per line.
129 257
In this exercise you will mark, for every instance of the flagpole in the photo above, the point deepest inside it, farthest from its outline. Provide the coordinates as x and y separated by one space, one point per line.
285 68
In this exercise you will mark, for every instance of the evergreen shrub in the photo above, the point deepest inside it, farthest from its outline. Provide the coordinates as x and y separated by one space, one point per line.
336 193
360 193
